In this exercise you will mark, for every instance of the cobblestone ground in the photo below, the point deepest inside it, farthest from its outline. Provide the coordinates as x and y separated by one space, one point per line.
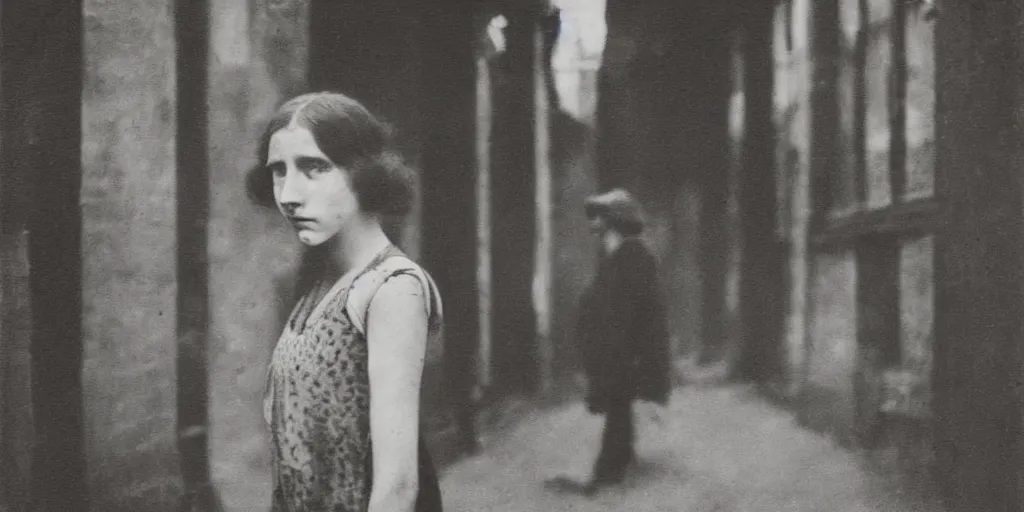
717 449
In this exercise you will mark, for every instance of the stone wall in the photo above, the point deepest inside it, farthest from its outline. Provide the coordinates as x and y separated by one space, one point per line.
129 232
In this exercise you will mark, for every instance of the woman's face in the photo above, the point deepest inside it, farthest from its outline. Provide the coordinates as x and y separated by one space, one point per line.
313 193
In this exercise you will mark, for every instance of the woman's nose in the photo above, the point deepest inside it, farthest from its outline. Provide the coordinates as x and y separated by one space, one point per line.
290 194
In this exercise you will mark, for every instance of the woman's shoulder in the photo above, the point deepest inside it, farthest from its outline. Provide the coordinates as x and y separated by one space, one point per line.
396 266
398 263
395 271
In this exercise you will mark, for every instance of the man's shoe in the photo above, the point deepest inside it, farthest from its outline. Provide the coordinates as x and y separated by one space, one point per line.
600 482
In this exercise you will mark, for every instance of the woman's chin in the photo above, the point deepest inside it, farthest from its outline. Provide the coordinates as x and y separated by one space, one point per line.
310 239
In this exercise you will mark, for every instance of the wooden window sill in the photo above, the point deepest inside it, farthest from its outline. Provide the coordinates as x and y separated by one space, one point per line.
916 217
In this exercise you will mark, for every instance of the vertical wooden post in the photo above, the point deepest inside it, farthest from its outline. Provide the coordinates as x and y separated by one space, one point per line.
542 277
514 209
192 30
40 266
16 421
129 253
761 266
484 127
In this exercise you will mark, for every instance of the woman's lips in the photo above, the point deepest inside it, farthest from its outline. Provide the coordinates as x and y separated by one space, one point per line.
300 221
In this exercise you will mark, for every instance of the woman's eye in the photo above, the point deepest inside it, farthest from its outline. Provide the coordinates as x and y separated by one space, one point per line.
277 172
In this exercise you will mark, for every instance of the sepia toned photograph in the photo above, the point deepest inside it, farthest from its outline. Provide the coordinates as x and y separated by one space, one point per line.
511 256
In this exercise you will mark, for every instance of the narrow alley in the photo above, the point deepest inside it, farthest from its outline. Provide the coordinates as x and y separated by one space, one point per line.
825 201
719 448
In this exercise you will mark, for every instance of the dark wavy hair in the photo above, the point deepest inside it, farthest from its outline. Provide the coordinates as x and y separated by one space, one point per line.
354 139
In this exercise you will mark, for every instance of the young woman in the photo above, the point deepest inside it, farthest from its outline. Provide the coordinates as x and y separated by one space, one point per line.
343 385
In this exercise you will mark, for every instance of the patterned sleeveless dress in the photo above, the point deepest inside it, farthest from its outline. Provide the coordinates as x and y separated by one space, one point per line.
317 401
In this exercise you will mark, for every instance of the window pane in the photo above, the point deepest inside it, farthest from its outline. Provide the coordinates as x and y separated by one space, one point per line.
782 103
920 134
878 67
844 196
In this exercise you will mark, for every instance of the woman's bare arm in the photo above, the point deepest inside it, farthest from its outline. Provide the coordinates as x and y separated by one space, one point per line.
397 337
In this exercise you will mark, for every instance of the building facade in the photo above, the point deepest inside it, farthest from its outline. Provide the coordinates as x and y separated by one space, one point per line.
878 127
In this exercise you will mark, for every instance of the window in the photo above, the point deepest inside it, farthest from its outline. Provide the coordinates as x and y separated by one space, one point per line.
883 177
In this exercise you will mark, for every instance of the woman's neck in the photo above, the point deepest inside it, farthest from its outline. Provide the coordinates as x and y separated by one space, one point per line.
357 246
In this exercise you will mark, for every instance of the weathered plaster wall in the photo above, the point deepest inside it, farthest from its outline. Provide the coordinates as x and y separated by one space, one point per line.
575 249
129 283
917 305
828 391
257 60
792 111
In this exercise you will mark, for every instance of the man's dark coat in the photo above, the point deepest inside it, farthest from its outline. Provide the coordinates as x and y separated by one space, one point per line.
622 330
